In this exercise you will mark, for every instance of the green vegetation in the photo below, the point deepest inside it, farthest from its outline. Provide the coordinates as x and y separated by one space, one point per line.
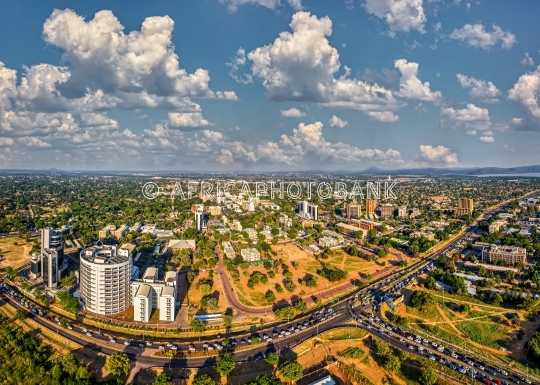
67 302
291 370
118 364
225 364
352 352
203 379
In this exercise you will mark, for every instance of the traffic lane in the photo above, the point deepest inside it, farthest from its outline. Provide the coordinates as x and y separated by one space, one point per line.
394 339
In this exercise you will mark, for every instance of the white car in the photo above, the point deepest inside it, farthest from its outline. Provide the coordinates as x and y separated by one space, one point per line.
174 347
89 334
127 343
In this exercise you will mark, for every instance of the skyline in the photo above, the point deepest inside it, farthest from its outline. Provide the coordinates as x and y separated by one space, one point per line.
362 84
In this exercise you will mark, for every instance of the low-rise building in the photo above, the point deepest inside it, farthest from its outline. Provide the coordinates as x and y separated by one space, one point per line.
328 241
228 249
250 254
252 233
508 254
495 226
126 250
106 231
121 231
179 244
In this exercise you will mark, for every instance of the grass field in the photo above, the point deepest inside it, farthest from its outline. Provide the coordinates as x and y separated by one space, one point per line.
14 255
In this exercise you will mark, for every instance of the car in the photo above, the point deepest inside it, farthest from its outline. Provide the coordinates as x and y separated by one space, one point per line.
191 347
174 347
141 345
127 343
242 341
162 347
401 340
84 330
113 340
149 343
89 334
100 335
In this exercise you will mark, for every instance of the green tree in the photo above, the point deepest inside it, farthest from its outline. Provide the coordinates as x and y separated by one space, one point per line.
162 379
291 370
118 364
225 364
203 379
265 380
212 304
300 306
430 283
205 289
392 364
286 312
272 359
383 349
20 314
428 376
190 276
198 326
359 234
497 299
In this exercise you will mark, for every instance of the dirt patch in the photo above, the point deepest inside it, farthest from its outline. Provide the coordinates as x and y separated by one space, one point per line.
14 255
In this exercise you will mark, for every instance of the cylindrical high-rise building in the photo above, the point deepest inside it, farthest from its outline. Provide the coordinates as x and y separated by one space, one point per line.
105 279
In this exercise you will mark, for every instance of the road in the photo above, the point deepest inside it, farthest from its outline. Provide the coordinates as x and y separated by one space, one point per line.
343 314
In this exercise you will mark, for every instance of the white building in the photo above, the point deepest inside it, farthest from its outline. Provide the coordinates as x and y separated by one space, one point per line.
252 233
495 226
250 255
150 293
229 250
236 225
402 211
105 279
308 211
248 206
126 250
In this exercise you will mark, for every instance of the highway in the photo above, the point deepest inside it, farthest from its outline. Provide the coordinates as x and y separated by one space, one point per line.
340 315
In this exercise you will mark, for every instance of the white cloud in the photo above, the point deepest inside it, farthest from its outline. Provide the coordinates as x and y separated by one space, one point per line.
479 89
337 122
193 119
292 113
477 37
225 157
233 5
32 141
507 148
400 15
527 92
6 141
383 116
302 66
473 116
487 139
439 154
127 132
307 145
236 62
527 60
471 132
411 87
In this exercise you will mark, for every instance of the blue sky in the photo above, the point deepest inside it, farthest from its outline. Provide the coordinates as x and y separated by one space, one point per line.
269 84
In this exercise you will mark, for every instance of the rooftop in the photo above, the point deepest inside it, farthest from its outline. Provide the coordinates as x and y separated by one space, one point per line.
102 254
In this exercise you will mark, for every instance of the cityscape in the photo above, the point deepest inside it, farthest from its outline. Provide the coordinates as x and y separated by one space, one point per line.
269 192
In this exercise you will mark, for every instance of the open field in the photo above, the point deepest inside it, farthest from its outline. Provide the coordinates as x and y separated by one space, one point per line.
194 295
305 266
12 254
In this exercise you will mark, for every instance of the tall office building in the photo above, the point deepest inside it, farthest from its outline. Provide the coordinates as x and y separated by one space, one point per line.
53 263
387 210
307 210
105 279
353 210
465 206
371 205
200 218
35 265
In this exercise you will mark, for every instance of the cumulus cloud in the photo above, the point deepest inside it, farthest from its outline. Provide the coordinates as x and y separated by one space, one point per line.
471 132
307 145
439 154
233 5
337 122
192 119
32 141
292 113
476 36
474 117
4 141
527 60
383 116
487 139
411 87
400 15
302 66
479 89
527 92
